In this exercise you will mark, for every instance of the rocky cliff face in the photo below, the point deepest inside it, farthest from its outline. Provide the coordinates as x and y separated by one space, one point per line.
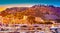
35 10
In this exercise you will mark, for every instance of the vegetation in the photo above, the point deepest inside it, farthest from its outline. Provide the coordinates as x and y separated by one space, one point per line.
32 12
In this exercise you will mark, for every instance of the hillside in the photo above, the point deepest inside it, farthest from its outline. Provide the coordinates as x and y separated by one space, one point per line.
45 12
35 10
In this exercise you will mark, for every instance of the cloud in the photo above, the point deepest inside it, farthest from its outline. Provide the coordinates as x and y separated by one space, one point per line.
17 5
3 7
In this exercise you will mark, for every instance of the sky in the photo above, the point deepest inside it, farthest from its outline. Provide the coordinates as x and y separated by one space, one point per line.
11 3
52 2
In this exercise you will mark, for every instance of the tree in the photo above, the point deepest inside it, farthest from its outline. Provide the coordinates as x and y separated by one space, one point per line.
31 19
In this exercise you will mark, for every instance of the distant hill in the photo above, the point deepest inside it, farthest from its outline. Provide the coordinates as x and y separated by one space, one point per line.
44 12
12 10
36 10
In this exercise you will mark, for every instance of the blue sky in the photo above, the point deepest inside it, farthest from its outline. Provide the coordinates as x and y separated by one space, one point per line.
51 2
